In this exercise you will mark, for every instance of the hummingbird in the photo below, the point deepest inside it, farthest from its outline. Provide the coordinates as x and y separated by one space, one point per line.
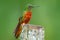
23 20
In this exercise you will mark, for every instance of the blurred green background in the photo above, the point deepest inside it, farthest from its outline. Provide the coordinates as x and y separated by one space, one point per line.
47 15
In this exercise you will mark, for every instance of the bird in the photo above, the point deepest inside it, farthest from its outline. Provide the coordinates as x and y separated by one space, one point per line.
24 19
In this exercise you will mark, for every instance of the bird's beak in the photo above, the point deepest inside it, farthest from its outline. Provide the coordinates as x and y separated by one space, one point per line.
34 6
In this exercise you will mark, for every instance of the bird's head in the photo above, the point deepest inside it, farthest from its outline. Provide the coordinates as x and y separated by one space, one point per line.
30 6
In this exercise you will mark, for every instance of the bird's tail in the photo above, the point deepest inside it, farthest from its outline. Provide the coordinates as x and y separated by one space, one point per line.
18 30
